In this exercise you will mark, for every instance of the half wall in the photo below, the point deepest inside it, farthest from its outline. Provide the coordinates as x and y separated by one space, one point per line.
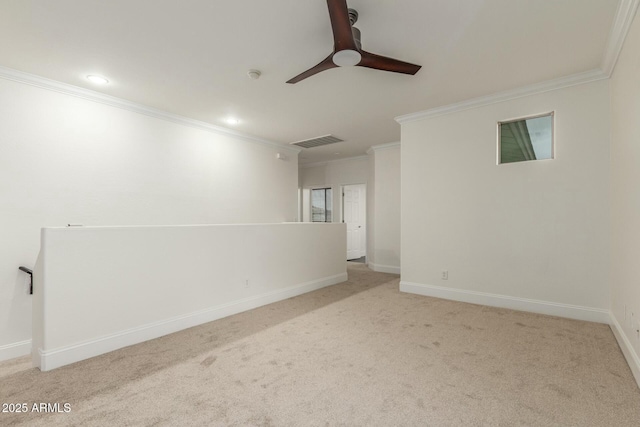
98 289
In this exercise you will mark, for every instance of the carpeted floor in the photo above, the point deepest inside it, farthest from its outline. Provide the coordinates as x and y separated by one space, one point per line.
359 354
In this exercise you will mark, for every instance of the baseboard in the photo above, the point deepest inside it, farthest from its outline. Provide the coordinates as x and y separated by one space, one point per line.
514 303
51 359
627 349
384 268
16 349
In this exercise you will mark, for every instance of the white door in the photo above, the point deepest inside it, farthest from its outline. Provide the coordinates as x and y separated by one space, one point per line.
353 214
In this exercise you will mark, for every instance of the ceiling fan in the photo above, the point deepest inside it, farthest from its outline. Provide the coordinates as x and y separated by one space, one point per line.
347 49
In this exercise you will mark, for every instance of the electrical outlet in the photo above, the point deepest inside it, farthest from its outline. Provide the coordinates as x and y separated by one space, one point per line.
246 283
445 275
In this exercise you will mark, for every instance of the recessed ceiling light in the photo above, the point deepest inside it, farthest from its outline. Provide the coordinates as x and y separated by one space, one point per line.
232 121
336 153
99 80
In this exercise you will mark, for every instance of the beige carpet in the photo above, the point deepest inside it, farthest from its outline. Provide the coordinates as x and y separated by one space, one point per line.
358 354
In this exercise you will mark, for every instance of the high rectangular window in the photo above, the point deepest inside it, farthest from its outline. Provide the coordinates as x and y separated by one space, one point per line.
525 139
321 205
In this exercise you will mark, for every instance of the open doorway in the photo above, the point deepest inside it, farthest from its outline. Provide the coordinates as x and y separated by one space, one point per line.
354 214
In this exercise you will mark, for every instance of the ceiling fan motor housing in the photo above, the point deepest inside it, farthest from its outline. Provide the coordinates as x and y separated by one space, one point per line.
349 57
353 18
356 37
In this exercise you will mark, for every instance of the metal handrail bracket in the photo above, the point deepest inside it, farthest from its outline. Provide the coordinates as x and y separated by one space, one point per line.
30 273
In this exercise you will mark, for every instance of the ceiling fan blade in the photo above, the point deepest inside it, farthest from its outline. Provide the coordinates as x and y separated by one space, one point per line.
326 64
341 26
371 60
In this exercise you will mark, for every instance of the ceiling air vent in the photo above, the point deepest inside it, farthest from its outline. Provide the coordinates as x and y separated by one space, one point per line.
317 142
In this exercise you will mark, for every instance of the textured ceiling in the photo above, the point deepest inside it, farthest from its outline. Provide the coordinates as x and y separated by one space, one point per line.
191 57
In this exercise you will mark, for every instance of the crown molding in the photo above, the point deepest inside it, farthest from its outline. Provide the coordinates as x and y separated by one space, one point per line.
386 146
331 162
112 101
534 89
621 24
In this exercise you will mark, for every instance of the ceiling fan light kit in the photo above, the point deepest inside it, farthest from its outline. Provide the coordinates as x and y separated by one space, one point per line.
347 48
347 58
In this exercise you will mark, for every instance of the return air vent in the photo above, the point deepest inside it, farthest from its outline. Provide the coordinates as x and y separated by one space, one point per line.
317 142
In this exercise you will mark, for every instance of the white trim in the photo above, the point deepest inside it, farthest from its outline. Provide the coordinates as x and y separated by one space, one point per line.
514 303
563 82
384 268
386 146
112 101
621 24
327 162
51 359
627 348
16 349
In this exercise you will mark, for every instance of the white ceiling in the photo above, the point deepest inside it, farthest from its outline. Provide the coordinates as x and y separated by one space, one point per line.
191 57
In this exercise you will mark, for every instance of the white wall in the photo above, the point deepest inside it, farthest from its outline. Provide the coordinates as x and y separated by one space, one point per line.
625 198
108 287
384 183
332 174
530 235
64 159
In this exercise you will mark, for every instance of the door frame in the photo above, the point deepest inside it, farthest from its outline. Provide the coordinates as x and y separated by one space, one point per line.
342 199
366 222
